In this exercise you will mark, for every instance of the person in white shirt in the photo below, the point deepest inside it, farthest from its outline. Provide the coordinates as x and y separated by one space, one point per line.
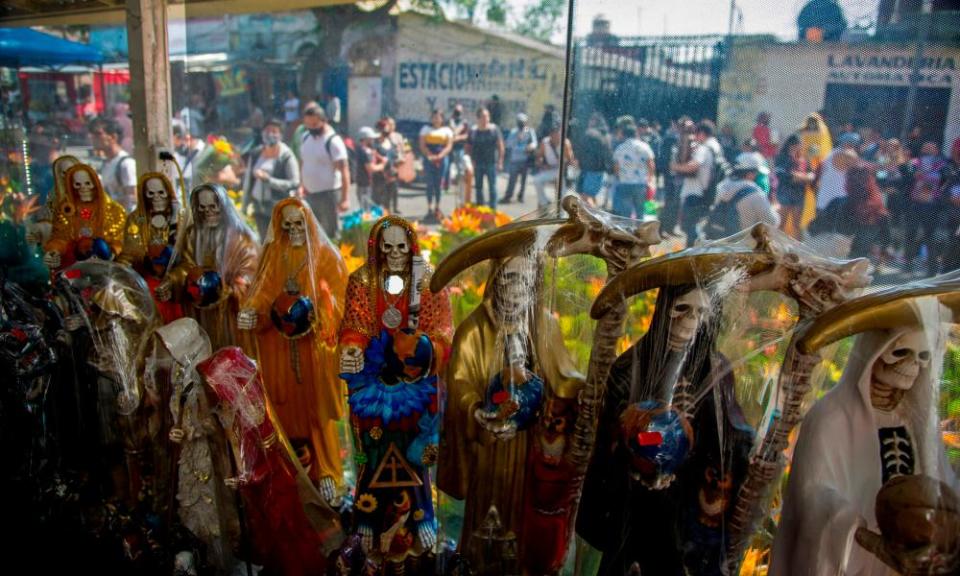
635 171
324 170
119 170
548 165
833 171
750 204
697 176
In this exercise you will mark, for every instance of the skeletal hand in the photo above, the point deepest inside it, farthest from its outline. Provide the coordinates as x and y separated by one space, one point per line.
73 322
366 537
926 560
428 534
232 483
176 435
164 291
247 319
351 360
494 424
52 259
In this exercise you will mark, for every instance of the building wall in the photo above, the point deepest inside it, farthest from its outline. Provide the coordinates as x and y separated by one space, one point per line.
439 64
789 80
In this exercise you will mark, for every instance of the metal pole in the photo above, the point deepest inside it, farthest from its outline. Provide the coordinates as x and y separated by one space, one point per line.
910 108
567 99
733 11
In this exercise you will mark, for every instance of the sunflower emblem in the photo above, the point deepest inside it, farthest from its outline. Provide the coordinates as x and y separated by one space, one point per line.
366 503
376 432
419 514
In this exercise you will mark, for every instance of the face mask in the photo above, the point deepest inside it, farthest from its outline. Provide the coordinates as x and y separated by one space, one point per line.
316 132
456 115
271 139
182 150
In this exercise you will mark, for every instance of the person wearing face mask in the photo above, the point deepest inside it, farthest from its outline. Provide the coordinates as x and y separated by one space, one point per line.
272 174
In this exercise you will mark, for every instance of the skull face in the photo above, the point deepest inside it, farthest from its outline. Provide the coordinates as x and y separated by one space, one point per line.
209 209
294 225
687 313
158 198
83 185
395 248
514 287
901 362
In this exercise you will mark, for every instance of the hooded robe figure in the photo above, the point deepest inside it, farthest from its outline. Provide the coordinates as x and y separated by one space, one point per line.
150 237
677 529
297 347
837 468
212 268
82 230
474 465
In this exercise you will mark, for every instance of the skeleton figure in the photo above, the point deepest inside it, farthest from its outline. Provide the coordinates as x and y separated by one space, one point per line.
700 453
214 262
294 308
512 390
394 340
87 222
878 425
150 236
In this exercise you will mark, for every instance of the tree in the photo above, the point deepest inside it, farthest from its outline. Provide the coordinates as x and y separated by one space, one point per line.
542 19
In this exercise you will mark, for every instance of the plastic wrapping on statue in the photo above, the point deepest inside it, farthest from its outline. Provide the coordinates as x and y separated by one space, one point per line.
87 222
114 305
873 483
150 235
294 307
394 342
212 266
674 439
205 505
513 384
292 530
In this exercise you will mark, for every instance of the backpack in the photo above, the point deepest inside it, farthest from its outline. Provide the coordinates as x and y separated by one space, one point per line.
719 171
348 144
723 219
118 170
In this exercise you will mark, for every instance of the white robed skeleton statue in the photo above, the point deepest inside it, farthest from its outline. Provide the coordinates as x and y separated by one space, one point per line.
878 428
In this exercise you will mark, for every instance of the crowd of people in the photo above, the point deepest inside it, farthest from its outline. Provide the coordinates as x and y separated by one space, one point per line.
848 189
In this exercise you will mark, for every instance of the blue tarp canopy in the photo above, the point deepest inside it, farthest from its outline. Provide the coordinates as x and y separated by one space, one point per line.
21 47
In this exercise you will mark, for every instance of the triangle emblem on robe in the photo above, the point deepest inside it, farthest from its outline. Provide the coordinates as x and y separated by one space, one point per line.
394 471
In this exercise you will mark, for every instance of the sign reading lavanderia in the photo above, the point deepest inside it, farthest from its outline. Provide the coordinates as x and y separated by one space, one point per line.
856 67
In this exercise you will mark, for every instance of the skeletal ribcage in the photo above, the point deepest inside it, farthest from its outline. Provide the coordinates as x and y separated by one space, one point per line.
896 452
684 397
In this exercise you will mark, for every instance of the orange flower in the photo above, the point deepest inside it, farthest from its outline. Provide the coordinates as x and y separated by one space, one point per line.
352 262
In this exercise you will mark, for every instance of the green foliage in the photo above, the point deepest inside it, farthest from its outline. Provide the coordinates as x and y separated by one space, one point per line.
543 19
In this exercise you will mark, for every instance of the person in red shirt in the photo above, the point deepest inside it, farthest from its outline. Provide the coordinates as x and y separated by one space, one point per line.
763 136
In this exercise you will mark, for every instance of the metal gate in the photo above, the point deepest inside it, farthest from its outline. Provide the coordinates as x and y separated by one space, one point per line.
659 78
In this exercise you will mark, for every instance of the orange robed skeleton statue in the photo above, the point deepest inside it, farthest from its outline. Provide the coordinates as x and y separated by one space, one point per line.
295 306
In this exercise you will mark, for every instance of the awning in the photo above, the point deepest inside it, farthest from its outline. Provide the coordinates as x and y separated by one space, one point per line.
26 47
